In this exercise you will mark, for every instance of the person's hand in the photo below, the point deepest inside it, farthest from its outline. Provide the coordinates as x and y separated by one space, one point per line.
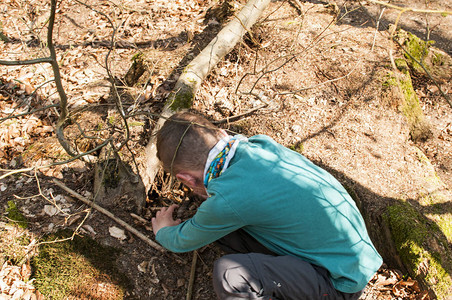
164 218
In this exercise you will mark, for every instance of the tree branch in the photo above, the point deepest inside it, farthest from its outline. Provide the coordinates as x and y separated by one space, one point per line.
119 221
191 78
29 112
12 172
26 62
405 9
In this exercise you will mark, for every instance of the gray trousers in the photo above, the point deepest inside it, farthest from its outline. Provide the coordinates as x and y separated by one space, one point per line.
254 272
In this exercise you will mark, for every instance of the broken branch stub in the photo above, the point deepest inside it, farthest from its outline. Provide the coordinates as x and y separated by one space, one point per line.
191 78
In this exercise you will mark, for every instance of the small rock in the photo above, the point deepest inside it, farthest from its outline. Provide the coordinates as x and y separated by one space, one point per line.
117 233
50 210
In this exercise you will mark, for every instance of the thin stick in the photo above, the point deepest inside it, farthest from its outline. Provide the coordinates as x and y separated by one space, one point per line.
26 62
192 275
235 118
376 29
110 215
320 84
140 219
12 172
429 11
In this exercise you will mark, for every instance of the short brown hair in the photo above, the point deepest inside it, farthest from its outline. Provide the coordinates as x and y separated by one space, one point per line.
184 142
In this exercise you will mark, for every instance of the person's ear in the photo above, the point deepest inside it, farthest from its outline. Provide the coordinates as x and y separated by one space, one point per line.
223 132
187 179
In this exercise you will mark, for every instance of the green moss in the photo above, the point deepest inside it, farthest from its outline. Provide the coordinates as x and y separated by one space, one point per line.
438 277
135 123
182 100
402 219
389 80
137 56
298 147
415 240
78 269
15 215
438 59
417 49
419 128
444 222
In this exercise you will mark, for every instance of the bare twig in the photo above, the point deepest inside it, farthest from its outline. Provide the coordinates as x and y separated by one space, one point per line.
192 276
117 220
405 9
245 114
26 62
59 85
29 112
320 84
12 172
297 4
237 117
140 219
116 97
110 215
376 27
47 199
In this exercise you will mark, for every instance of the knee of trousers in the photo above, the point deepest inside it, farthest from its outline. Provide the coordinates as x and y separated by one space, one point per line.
235 274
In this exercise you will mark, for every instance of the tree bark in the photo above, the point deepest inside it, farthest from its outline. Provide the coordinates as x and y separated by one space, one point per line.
191 78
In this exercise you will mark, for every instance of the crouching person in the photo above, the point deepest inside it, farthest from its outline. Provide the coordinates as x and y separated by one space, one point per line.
291 229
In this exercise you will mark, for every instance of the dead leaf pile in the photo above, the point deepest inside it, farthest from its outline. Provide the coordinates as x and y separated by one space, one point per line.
15 282
389 284
17 133
15 278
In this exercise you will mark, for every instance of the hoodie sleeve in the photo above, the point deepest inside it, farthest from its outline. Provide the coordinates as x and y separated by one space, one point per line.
214 219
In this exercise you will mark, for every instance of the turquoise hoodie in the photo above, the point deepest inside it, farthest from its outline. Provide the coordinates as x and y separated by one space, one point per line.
289 205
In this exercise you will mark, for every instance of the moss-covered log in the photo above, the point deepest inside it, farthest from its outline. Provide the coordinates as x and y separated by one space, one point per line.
436 62
420 231
191 78
406 99
415 235
422 247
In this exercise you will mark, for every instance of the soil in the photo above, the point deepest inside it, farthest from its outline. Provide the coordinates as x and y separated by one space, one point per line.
322 81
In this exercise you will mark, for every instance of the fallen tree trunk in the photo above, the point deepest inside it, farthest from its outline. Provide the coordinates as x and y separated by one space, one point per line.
191 78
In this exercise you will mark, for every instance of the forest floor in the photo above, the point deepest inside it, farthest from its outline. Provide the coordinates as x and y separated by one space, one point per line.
318 71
